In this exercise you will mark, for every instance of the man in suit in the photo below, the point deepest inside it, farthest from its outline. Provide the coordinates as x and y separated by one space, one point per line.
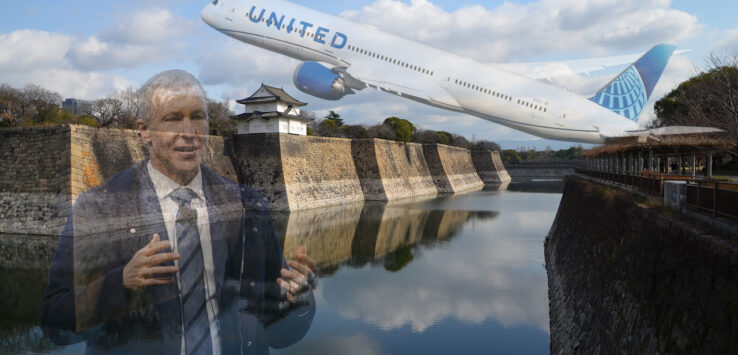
169 257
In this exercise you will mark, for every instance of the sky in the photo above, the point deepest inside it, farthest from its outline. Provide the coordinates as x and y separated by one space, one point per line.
91 49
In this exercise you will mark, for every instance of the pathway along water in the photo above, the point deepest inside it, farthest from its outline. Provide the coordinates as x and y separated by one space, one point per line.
459 274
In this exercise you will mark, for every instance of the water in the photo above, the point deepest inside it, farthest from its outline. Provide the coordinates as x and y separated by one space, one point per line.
459 274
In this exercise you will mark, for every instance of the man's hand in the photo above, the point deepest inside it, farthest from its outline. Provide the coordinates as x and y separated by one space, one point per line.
140 271
300 278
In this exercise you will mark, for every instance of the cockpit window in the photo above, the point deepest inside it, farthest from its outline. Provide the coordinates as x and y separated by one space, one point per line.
215 2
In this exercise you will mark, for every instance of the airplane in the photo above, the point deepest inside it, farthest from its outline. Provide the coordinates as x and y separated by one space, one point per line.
340 57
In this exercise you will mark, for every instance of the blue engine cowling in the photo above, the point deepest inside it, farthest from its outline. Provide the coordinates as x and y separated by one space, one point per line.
314 79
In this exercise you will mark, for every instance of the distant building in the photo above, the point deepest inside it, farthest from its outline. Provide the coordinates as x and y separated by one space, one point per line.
75 106
271 110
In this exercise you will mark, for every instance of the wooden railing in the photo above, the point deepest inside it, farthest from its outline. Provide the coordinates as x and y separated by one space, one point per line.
716 197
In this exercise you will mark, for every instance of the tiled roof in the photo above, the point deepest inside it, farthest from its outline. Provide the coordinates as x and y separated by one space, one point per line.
277 94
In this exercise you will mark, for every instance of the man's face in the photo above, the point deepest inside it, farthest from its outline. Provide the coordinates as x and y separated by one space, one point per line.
177 132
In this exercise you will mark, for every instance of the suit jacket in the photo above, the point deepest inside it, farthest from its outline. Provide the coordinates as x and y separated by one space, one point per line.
85 298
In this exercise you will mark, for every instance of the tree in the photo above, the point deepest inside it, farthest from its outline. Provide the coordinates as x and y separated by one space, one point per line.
10 106
486 145
335 117
35 104
460 141
510 156
355 131
403 129
328 128
108 112
219 115
709 98
427 137
382 132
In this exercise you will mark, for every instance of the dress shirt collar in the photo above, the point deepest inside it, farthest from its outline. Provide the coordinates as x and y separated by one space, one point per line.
164 185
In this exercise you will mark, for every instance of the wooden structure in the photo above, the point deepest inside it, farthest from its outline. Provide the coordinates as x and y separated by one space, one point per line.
646 164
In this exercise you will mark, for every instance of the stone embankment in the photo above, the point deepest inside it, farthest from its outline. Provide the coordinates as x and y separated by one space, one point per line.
298 172
452 169
43 170
543 169
392 171
626 276
490 167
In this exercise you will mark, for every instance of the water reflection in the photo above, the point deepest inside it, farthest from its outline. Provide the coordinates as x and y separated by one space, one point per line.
360 234
537 185
460 273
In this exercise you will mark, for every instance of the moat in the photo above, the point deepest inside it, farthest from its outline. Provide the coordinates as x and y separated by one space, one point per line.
458 274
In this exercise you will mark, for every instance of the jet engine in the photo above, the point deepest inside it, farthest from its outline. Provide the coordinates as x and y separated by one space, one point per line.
315 79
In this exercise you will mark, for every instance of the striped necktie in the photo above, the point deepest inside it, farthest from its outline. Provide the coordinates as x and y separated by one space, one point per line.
191 276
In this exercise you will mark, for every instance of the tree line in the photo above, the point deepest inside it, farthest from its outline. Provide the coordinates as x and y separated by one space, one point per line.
709 99
516 156
393 128
36 106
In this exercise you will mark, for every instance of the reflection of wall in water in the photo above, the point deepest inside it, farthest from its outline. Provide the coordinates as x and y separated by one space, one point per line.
357 235
24 272
326 232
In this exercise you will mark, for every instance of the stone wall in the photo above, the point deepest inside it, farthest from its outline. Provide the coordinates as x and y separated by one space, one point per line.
43 170
490 168
35 180
543 169
391 170
319 172
452 169
628 278
298 172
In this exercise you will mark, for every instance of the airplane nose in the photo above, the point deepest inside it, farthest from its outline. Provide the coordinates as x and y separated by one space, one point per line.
208 14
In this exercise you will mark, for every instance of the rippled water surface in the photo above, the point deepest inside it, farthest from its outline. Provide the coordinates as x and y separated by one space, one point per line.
460 274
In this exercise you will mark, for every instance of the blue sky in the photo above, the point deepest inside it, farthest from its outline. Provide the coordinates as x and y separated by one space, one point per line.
90 49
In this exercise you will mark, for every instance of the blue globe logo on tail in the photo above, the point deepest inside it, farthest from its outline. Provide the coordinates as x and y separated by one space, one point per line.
627 94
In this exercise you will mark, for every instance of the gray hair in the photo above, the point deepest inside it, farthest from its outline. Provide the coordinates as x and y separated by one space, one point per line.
167 80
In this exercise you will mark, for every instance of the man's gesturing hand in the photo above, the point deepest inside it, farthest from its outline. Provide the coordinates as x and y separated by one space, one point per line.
140 271
301 277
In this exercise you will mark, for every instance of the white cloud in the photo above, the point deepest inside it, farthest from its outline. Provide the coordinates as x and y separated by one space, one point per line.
79 67
150 26
497 278
513 31
729 43
93 54
38 57
237 64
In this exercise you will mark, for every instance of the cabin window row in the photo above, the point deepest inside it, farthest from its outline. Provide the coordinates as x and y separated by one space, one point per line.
390 60
533 106
483 90
292 30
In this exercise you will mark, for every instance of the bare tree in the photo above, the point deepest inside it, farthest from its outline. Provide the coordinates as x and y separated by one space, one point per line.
382 132
108 112
10 106
709 98
219 114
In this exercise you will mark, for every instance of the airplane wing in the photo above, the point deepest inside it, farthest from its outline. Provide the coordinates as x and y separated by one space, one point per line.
430 93
548 70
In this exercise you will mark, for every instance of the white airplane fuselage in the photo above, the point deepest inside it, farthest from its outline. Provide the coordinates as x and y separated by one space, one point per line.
421 73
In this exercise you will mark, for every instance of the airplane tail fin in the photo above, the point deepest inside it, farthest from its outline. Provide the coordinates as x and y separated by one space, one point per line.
627 94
